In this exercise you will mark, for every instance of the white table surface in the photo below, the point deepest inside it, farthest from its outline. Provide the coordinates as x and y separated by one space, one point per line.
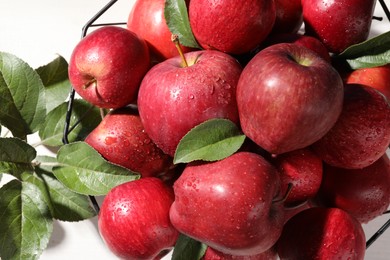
36 31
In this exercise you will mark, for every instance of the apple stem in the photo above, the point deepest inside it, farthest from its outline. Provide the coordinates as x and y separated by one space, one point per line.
175 40
283 199
89 83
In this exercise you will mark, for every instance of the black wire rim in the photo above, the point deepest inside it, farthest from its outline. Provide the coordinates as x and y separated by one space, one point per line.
67 128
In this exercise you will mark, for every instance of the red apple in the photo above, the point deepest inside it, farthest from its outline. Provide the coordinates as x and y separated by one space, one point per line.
174 98
107 66
288 97
289 16
364 193
304 40
147 20
228 204
338 24
361 135
302 169
121 139
212 254
230 27
375 77
134 219
323 234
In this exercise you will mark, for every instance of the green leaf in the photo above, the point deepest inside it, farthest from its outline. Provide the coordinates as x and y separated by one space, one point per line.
86 116
212 140
15 156
176 16
370 53
22 96
65 205
85 171
187 248
54 76
26 223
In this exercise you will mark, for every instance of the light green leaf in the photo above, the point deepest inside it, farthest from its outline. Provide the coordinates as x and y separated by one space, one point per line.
26 223
85 115
176 16
370 53
212 140
22 96
15 156
85 171
65 205
54 76
187 248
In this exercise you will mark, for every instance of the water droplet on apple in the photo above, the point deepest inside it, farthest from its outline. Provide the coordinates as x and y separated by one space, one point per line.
109 140
191 96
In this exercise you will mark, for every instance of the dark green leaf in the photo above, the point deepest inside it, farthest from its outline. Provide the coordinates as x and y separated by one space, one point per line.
26 223
370 53
65 205
212 140
86 116
187 248
176 15
15 156
22 96
85 171
54 76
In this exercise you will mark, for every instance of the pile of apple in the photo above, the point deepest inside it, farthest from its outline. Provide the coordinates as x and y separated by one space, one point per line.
313 167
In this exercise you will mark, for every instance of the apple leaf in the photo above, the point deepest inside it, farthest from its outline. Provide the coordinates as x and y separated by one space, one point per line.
187 248
65 205
54 76
26 223
22 96
370 53
85 171
212 140
176 16
15 156
85 118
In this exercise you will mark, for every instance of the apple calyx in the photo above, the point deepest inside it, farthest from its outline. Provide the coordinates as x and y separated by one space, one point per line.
284 198
175 40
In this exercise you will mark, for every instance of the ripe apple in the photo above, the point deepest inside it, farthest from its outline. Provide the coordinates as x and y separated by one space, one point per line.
288 97
289 16
322 233
147 20
107 66
228 204
134 219
121 139
361 135
338 24
375 77
364 193
174 98
304 40
223 25
302 169
212 254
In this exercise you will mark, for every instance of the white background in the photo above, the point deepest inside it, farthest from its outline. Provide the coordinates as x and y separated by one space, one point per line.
36 31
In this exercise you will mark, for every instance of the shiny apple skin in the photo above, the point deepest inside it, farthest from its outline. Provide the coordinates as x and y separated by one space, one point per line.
106 67
289 16
134 219
148 21
228 204
121 139
285 104
364 193
323 234
173 98
361 135
231 26
338 24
